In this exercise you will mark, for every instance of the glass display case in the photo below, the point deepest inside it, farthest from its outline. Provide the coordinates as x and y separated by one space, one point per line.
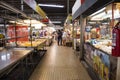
98 42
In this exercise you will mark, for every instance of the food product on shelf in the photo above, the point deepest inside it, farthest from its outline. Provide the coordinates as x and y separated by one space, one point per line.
1 36
104 45
1 48
34 43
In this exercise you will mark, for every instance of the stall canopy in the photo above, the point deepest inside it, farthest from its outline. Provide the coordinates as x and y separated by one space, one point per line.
90 6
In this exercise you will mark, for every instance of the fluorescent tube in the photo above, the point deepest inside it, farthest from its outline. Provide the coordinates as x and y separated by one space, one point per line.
51 5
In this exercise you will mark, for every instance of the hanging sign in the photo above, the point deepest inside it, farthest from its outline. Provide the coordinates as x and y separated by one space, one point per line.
45 20
40 11
35 6
82 1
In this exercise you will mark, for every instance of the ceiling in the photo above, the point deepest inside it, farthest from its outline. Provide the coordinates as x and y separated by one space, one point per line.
23 10
57 14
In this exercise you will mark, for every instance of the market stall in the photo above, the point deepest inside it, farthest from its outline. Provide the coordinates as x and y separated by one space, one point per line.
98 53
76 35
49 35
97 38
68 29
43 33
19 54
19 51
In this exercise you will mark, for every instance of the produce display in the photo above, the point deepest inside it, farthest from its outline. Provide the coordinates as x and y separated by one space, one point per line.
34 43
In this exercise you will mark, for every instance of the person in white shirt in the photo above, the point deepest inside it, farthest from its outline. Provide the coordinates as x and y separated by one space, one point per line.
64 36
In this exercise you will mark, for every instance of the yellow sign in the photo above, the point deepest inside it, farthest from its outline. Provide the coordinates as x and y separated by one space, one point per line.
40 11
35 6
69 17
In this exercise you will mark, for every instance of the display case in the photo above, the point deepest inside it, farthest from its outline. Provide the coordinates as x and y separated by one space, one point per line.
98 42
101 61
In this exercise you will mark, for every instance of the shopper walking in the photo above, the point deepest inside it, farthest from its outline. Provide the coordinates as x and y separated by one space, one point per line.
64 36
59 40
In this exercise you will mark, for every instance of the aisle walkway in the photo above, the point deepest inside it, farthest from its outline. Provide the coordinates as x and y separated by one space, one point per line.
60 63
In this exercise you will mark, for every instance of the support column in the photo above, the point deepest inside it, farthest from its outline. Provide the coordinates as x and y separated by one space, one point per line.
113 5
16 36
30 33
5 28
73 36
118 69
82 39
22 6
67 7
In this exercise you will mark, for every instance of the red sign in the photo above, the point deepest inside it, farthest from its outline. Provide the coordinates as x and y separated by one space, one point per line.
45 20
82 1
21 31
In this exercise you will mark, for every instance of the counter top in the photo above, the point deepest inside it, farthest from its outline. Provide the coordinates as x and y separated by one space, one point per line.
8 57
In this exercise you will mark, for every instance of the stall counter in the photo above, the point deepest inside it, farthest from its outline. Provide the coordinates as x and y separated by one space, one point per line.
9 57
101 62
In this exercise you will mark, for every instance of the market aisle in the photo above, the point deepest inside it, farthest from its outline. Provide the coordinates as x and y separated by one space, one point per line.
60 63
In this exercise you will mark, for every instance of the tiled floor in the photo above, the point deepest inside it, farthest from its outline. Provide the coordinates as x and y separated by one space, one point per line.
60 63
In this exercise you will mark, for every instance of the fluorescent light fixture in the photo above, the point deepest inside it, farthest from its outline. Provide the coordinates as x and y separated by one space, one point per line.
27 22
105 15
32 21
38 26
92 22
3 25
109 14
51 5
56 21
99 11
19 23
12 21
99 16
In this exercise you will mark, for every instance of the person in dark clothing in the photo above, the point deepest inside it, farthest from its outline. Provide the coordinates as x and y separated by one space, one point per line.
59 37
33 34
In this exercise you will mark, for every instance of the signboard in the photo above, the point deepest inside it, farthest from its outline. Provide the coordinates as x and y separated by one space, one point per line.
85 4
76 6
40 11
35 6
45 20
